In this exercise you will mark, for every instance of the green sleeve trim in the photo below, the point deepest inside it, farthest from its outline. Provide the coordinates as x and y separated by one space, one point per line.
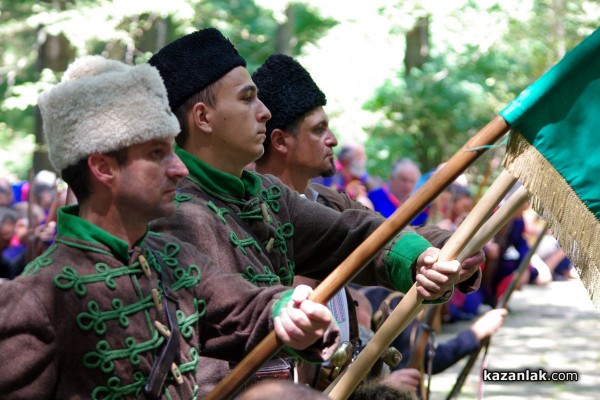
280 303
400 259
285 298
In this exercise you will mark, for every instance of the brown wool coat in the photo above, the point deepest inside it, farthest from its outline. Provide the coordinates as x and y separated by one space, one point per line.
435 235
307 239
79 323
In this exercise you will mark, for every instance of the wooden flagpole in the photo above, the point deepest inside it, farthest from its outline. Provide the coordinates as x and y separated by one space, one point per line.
485 343
352 265
406 310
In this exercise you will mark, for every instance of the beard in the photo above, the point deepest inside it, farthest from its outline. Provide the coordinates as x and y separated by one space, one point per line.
328 173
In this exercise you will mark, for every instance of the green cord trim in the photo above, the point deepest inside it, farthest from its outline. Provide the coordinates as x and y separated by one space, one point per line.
220 211
191 366
243 243
186 323
95 318
282 233
271 197
168 255
103 357
267 278
70 278
286 274
43 260
186 277
114 391
181 198
253 210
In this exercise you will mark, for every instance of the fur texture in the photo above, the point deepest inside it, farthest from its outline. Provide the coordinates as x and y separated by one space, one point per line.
287 89
103 105
192 62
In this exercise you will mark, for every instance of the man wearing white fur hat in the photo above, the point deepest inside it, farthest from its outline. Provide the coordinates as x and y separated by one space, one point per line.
112 310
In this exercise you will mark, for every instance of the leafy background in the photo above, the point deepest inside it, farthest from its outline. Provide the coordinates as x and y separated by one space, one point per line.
432 74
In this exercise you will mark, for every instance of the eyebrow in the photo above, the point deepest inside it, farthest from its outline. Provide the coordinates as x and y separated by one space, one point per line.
248 88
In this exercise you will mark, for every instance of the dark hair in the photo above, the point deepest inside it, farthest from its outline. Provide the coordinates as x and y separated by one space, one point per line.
206 96
293 128
459 192
77 175
382 391
7 215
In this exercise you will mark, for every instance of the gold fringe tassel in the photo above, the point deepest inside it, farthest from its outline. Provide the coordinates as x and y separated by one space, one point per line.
575 227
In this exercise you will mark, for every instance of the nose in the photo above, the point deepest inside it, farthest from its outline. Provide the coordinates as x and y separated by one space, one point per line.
176 168
331 140
263 114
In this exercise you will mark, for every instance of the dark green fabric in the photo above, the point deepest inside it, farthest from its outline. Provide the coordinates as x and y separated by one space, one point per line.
219 181
400 259
70 225
560 116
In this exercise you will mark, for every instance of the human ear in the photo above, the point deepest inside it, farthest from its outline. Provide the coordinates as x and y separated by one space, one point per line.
201 116
102 168
278 141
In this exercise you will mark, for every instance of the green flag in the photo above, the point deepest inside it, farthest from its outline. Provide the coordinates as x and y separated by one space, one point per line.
554 151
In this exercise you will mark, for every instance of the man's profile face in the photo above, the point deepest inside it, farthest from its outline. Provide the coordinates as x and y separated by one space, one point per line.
238 120
312 149
145 185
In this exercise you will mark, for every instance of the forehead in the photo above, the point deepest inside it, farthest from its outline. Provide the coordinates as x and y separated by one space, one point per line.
236 79
316 116
166 141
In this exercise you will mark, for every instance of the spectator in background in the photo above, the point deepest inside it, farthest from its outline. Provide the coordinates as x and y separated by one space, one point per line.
402 183
8 221
403 179
461 203
446 353
351 174
6 194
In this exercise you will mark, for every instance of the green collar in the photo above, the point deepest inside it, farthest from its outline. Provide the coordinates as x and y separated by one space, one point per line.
216 181
70 225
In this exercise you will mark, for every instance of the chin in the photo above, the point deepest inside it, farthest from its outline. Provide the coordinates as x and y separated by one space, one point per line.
327 173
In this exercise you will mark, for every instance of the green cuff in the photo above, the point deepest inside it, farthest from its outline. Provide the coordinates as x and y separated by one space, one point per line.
285 298
400 259
280 303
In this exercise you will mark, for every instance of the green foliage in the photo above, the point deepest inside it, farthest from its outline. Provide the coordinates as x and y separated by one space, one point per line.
126 30
429 114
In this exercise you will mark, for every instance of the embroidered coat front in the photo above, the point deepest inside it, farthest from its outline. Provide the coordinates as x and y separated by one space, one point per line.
80 322
256 226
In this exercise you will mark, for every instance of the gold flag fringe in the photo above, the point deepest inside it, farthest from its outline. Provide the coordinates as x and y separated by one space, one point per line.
574 226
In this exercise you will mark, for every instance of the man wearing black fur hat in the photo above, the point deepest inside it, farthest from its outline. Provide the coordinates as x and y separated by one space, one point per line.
111 310
299 146
254 222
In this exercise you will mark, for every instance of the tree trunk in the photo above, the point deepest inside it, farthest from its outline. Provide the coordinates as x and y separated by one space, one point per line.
284 40
54 52
417 45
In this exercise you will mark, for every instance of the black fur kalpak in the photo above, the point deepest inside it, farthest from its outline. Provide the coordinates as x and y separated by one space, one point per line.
192 62
287 89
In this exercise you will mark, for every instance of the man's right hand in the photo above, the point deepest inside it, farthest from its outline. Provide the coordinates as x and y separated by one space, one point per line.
407 377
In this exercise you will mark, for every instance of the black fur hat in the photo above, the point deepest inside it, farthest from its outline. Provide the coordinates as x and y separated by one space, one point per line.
287 90
192 62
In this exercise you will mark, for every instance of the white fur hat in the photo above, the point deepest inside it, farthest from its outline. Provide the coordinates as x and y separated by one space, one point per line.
103 105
